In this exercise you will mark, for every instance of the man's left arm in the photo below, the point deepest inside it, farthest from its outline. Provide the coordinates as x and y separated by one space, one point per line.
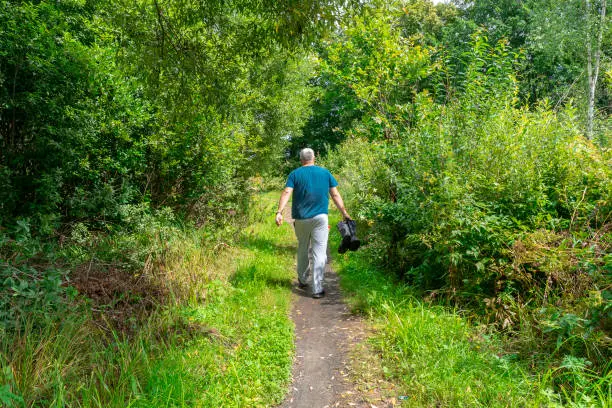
337 198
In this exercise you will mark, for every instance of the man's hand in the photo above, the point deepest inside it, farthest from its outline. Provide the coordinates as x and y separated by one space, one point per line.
279 218
284 198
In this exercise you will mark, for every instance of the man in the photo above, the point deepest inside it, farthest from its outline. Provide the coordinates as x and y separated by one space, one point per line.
311 187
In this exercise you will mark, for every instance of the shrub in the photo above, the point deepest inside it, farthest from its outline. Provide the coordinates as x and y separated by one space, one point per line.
500 206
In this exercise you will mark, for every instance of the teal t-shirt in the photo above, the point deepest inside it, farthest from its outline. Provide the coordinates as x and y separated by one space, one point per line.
311 186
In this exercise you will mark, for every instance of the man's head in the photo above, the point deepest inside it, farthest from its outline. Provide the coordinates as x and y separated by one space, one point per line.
307 155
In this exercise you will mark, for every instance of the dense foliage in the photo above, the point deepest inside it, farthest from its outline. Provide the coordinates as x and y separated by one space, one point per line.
110 110
106 105
470 137
470 193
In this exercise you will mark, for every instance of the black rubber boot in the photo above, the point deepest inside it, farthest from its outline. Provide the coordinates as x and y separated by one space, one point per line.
355 243
345 233
348 231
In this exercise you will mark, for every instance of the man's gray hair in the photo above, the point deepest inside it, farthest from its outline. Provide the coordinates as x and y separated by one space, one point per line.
307 154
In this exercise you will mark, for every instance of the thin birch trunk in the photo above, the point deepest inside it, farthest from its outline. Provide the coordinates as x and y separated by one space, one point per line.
593 66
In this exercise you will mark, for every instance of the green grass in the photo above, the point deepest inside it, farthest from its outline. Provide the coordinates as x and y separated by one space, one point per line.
247 360
225 339
435 357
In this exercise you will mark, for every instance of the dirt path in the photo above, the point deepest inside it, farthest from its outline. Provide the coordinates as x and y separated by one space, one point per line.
325 332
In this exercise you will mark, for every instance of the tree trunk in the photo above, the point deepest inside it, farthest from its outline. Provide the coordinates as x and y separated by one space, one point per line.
593 65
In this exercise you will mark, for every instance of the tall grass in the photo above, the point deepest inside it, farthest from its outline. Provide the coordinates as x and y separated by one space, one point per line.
497 207
221 337
437 356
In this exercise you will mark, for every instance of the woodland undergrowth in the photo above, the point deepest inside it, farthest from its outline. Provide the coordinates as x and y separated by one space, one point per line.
160 314
480 202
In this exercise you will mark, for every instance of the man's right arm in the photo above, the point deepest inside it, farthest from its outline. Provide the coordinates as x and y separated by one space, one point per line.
337 198
284 198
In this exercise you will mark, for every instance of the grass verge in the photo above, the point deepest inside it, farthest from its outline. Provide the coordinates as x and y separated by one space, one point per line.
223 338
436 358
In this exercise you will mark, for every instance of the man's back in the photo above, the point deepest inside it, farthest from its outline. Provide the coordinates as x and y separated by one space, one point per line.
311 186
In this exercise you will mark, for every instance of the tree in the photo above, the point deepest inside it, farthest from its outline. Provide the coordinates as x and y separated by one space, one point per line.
564 43
167 102
594 52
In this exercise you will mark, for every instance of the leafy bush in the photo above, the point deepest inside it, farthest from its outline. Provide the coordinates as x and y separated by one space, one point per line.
496 205
72 130
29 293
96 116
